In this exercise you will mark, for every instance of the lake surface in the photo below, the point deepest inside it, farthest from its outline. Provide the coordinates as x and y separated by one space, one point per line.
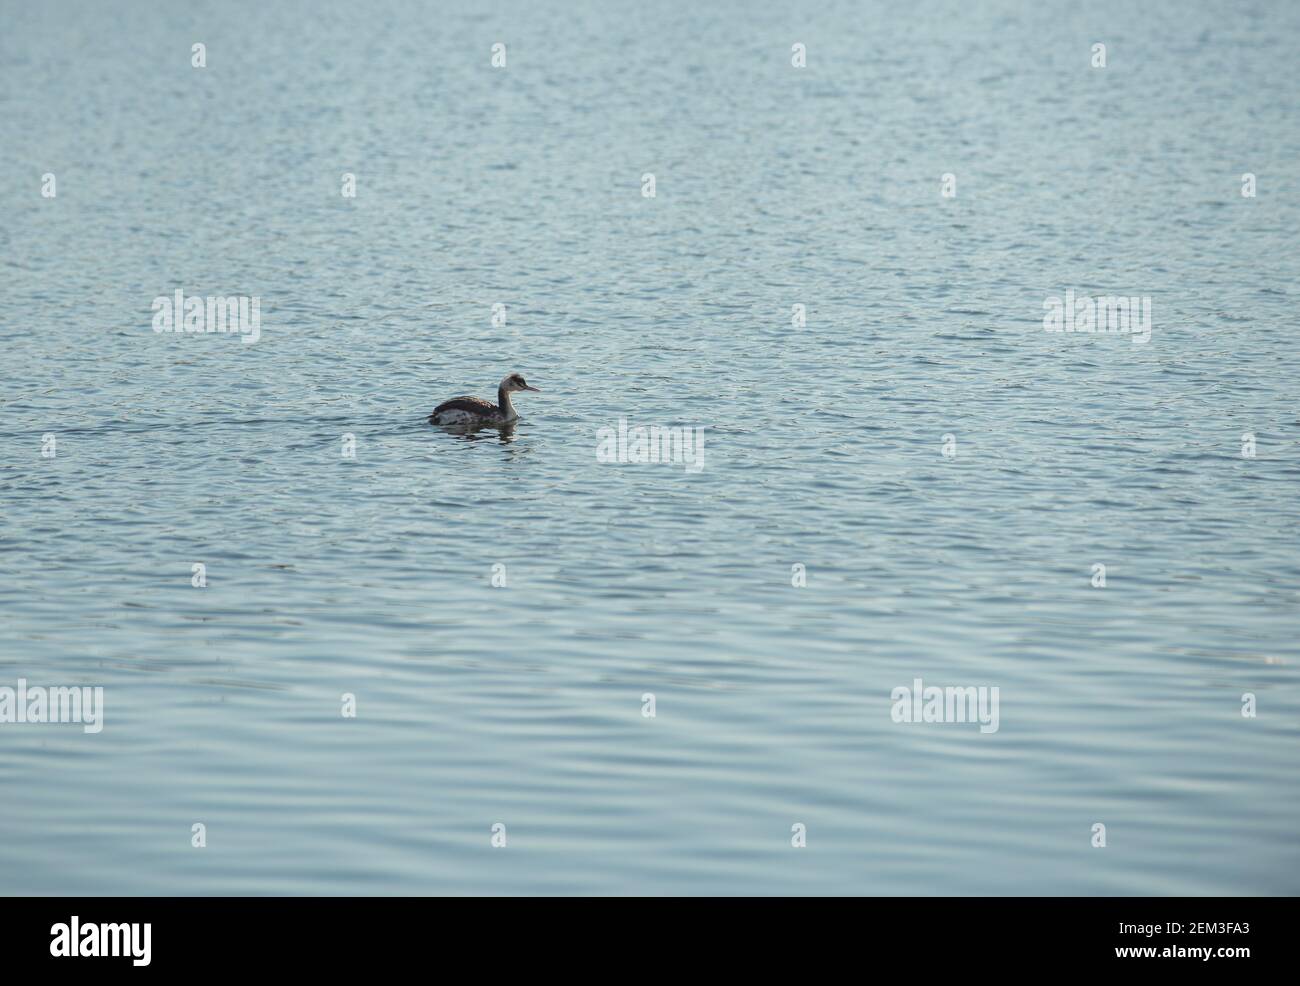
521 704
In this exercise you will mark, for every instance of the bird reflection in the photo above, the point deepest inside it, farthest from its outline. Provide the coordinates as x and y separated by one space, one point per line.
504 433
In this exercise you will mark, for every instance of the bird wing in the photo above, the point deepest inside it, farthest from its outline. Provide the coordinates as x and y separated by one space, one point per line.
474 405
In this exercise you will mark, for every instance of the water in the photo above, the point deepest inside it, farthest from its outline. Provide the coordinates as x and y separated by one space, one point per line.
522 704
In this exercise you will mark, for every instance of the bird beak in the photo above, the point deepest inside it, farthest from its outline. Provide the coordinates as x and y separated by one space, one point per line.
533 389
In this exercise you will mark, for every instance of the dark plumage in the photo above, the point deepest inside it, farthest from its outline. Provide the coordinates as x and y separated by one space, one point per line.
472 405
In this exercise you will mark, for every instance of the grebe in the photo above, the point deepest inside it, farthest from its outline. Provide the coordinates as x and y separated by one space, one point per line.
476 412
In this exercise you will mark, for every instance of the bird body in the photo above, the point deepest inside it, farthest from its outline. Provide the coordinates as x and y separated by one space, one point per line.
475 412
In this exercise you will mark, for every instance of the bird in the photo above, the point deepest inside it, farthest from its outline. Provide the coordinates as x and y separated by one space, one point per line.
475 412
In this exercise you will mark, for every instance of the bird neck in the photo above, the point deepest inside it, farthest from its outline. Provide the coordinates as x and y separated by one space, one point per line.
503 402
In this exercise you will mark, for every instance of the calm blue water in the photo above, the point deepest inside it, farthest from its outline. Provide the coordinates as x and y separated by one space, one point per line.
522 704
